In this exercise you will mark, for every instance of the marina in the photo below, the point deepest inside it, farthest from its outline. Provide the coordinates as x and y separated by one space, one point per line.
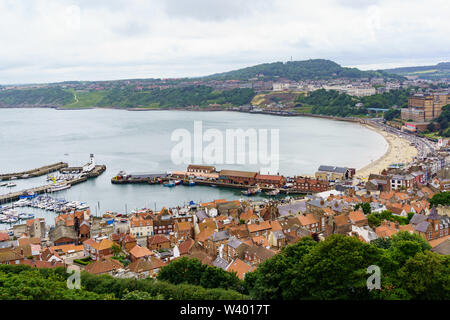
9 213
62 182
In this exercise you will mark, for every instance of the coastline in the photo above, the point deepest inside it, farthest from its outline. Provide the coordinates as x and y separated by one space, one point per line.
399 151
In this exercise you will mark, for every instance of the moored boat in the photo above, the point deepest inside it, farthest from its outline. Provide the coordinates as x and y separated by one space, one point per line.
169 184
58 187
251 191
274 192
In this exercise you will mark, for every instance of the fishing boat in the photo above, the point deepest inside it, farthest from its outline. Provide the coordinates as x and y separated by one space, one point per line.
251 191
169 184
58 187
11 184
189 183
274 192
3 184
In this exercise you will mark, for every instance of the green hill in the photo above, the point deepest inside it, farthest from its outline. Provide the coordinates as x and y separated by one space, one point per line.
298 70
438 71
35 97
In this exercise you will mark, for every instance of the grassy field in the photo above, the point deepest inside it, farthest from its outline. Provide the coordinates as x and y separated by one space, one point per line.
303 109
432 135
85 99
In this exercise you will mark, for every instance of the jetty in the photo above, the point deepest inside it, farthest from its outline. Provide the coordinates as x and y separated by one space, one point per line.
13 196
34 172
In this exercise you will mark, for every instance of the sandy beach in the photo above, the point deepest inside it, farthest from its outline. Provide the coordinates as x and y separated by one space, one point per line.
399 151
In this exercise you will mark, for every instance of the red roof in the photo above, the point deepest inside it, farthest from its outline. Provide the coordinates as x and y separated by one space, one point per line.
269 177
158 239
4 236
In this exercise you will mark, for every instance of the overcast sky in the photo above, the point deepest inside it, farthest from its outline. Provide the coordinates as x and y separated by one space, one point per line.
49 40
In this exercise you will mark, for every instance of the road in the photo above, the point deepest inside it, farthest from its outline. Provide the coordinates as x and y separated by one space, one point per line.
423 145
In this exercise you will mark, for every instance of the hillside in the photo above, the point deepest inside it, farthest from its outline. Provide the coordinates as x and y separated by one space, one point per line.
175 97
297 70
438 71
37 97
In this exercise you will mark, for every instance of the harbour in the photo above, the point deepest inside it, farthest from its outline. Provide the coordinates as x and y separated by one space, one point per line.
139 142
90 170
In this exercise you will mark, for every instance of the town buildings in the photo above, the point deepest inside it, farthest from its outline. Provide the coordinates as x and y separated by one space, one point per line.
424 107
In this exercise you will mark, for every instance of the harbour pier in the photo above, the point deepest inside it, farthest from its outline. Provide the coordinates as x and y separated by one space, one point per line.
34 172
13 196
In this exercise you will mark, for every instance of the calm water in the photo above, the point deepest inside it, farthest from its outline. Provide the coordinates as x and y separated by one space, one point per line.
140 142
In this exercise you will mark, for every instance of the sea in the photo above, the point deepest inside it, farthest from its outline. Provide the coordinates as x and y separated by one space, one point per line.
144 141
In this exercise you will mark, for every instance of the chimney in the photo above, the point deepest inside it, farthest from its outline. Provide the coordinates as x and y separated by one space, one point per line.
397 225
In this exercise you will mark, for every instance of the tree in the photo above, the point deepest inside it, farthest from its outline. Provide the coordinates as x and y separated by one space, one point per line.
116 249
273 278
383 242
425 276
443 124
334 269
365 206
192 271
442 198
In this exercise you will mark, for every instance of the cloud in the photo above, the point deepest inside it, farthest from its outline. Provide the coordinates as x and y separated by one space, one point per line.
50 40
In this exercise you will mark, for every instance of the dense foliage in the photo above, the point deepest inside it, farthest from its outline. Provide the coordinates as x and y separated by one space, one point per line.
175 97
192 271
337 269
442 198
364 206
375 218
333 103
443 120
387 99
298 70
391 114
23 282
36 97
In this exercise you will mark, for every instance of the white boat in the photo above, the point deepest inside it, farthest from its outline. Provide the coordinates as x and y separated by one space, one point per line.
3 184
84 206
11 184
273 192
58 188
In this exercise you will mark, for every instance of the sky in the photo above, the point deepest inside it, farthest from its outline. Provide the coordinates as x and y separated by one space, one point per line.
58 40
